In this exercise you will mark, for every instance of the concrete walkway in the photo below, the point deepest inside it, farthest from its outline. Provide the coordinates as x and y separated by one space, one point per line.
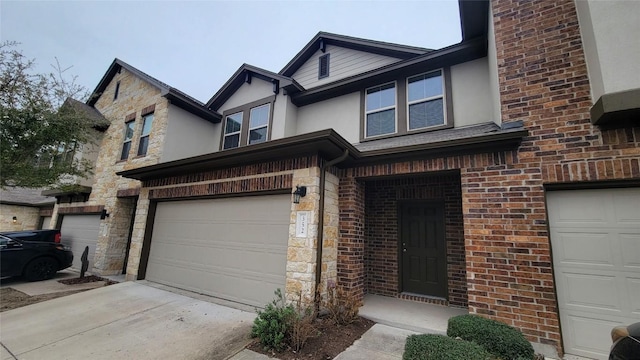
49 286
124 321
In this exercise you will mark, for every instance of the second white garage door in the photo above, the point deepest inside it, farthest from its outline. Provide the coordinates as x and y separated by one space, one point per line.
595 238
233 248
78 232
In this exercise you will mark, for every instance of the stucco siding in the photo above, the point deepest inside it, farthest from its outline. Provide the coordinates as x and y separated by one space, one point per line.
188 135
492 59
472 97
343 62
283 119
341 114
611 52
258 89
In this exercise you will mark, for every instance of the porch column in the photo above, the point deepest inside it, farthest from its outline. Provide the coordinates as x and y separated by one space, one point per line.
350 265
137 236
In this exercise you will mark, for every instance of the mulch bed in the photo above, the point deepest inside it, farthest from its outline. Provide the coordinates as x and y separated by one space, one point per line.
12 299
86 279
331 341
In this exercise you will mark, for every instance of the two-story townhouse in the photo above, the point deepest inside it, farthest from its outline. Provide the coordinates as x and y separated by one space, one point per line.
468 176
149 122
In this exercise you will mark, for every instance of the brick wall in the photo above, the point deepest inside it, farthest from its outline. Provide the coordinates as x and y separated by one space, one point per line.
381 231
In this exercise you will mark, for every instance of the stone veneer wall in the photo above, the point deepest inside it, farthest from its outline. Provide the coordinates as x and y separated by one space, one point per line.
27 217
381 231
134 96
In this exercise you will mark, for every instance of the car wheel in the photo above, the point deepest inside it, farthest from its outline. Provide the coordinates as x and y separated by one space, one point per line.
41 269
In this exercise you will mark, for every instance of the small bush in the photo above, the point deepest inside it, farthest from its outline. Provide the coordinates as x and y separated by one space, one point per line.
301 323
272 325
440 347
342 306
499 339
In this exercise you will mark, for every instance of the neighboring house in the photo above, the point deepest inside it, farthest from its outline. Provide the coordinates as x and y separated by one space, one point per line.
24 209
446 176
149 122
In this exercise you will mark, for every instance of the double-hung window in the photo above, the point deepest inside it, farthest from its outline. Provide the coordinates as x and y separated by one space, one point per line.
147 122
380 110
248 124
128 136
425 101
259 124
232 131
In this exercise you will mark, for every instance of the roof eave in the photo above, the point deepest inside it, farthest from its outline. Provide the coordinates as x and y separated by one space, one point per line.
237 79
451 55
325 142
187 105
389 49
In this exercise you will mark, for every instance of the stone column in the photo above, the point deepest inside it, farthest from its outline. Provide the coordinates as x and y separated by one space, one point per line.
137 236
301 253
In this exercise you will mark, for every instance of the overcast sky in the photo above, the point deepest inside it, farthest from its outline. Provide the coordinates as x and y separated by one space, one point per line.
197 46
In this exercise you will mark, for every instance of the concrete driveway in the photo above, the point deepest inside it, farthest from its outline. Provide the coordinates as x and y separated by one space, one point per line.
127 321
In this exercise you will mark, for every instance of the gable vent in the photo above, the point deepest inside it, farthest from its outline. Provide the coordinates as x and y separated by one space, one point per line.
323 66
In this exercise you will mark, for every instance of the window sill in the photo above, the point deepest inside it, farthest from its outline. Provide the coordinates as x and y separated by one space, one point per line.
408 132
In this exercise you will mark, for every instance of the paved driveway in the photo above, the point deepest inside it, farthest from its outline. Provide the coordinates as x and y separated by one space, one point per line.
126 321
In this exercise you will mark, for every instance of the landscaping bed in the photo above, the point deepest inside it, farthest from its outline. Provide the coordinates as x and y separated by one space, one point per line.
12 299
86 279
330 341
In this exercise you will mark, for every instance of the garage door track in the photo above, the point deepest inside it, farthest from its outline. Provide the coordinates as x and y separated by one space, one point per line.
128 321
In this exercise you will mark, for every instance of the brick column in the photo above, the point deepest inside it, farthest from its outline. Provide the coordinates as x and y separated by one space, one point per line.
350 265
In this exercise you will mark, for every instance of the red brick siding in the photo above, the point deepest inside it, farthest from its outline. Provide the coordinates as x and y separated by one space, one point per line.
242 186
350 265
381 231
237 171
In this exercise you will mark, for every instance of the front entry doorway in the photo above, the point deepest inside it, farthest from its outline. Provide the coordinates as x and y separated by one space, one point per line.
423 252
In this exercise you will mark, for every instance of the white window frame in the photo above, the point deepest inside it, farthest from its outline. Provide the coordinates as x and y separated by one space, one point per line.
239 132
395 108
130 140
143 135
443 97
268 105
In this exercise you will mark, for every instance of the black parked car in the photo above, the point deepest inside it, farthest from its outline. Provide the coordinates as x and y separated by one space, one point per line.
35 260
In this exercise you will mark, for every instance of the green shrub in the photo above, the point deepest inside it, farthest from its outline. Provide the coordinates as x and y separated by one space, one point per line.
440 347
499 339
272 325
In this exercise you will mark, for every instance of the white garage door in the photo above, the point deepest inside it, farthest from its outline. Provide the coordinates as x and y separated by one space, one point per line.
79 231
595 238
234 248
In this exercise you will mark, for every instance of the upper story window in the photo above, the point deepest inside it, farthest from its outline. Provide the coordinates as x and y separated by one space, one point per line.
410 104
147 122
259 124
248 124
425 100
129 127
380 110
323 66
232 130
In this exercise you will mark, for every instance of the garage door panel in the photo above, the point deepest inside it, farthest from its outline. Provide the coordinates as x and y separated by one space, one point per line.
587 335
630 248
578 248
233 248
633 290
79 231
578 292
626 208
595 238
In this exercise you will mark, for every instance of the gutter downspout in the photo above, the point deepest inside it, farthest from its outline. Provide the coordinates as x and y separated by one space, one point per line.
323 172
